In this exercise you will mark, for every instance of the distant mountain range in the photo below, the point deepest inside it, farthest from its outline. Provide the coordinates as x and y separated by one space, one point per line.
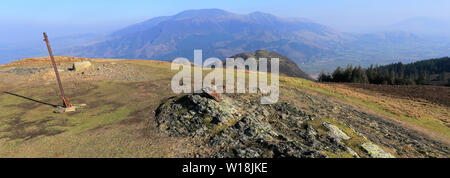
314 47
421 25
219 33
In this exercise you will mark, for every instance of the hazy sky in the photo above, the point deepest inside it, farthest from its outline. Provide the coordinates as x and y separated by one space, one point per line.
24 19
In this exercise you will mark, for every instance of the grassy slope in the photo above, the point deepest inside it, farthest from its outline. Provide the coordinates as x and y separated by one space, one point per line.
119 124
425 115
113 124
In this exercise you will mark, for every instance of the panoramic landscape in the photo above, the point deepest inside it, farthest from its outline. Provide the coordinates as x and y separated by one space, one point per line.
378 93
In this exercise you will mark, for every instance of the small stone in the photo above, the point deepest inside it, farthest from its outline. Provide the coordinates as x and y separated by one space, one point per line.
310 131
59 109
266 113
70 109
375 151
80 66
335 132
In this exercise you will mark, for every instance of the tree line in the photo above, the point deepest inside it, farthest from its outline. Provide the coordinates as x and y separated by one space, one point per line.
417 73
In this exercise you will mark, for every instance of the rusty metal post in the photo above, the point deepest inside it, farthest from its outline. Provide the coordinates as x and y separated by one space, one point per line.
65 100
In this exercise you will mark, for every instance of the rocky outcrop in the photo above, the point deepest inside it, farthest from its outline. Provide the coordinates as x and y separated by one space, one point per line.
335 133
194 115
374 151
252 138
239 127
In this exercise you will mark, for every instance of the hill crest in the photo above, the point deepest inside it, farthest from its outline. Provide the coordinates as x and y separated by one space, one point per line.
286 65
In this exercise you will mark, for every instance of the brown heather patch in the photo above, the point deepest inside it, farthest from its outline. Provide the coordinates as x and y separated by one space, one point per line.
433 94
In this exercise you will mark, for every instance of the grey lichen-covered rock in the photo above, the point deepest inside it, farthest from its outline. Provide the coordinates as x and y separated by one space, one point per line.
240 127
247 129
375 151
61 109
335 132
235 131
84 65
193 115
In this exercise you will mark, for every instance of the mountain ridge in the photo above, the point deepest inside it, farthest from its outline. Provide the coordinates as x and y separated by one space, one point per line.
314 47
286 65
222 35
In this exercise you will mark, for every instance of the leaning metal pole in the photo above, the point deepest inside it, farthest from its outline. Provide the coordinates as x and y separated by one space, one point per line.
65 100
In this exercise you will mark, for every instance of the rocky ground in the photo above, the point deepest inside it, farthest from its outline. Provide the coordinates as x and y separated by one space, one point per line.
238 126
385 132
303 124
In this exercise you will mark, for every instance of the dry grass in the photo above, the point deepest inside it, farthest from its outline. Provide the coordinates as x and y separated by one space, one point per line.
119 119
425 116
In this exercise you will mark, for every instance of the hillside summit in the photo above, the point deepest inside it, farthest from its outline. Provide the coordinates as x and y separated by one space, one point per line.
287 66
132 112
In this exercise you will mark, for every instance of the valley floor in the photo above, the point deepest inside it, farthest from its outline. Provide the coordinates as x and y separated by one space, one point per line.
122 96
